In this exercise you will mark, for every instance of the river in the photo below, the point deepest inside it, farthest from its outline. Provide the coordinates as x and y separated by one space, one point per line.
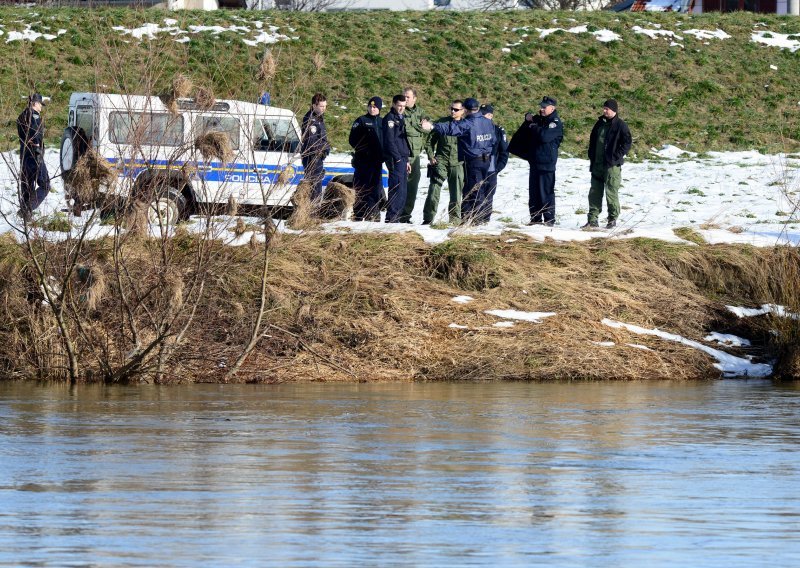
444 474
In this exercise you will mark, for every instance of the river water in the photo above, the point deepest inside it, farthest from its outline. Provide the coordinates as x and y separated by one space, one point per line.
455 474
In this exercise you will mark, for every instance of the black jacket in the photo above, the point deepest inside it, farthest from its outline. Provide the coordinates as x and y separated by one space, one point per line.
499 150
617 144
366 138
395 141
31 134
545 136
314 142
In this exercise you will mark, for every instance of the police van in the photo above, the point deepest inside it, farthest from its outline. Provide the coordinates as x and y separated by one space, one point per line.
154 146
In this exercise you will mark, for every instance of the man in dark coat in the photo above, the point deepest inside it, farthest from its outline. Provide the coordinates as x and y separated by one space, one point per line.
366 138
497 163
609 142
314 146
396 151
545 133
34 179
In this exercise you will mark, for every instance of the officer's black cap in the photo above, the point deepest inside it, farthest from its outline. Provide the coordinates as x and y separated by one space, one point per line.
487 109
376 101
471 104
547 101
37 98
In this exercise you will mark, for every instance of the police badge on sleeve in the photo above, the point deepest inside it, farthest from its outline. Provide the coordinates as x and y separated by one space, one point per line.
390 123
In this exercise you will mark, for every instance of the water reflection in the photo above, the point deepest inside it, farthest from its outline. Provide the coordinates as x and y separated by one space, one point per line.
411 474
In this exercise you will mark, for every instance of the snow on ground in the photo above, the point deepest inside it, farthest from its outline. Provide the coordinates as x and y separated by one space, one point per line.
734 197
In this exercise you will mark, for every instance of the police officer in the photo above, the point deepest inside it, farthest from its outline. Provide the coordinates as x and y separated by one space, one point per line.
496 165
314 146
34 179
445 166
545 133
475 141
416 141
396 152
366 138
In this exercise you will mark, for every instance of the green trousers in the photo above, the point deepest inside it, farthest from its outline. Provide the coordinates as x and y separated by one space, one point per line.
610 182
411 193
454 176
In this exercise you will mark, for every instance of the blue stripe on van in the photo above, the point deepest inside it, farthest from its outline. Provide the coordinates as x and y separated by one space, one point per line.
236 172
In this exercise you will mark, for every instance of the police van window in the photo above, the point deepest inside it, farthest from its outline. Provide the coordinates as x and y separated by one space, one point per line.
227 124
85 120
275 135
153 129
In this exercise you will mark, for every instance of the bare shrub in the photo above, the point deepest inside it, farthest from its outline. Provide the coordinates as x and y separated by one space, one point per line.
215 145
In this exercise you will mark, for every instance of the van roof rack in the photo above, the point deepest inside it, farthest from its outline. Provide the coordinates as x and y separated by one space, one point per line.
191 104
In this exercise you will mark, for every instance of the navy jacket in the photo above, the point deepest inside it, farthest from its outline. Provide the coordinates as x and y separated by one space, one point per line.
545 136
475 135
366 138
395 140
31 134
618 141
314 142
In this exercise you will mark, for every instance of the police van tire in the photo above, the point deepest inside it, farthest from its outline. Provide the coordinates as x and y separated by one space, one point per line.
73 146
167 209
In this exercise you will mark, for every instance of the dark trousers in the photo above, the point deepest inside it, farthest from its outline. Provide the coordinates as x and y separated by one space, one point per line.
34 184
398 189
477 170
313 173
483 210
368 186
542 196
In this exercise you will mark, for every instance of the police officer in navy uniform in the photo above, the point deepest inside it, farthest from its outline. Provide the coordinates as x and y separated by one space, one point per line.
545 133
34 179
496 165
475 141
396 152
366 138
314 146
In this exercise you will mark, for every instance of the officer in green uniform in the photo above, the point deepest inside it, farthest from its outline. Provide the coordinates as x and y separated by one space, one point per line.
416 139
609 142
442 153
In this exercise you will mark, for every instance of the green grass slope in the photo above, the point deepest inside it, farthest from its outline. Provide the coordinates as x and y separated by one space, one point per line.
703 94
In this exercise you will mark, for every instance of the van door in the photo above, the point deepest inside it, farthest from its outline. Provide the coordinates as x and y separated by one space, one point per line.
220 175
276 141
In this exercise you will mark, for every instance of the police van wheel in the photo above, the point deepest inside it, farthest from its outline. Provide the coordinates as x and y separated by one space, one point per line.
73 146
167 209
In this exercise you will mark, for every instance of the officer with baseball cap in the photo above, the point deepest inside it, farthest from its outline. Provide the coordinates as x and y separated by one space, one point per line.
475 141
34 179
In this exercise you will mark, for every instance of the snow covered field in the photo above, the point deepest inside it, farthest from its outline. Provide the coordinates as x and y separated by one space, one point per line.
736 197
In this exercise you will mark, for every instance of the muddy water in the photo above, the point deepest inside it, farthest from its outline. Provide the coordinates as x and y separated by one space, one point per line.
401 475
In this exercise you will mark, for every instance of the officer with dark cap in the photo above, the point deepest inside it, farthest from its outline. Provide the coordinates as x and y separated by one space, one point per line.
366 138
396 151
475 141
34 179
545 132
498 162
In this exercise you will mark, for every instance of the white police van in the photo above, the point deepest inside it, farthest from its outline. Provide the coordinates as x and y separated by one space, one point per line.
153 148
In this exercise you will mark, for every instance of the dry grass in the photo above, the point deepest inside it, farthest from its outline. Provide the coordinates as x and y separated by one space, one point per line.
303 210
204 98
215 145
90 172
267 68
181 87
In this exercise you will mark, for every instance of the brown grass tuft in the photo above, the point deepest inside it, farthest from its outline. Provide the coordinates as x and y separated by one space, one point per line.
303 210
268 67
319 61
232 208
181 87
204 98
215 145
136 219
338 201
240 227
90 172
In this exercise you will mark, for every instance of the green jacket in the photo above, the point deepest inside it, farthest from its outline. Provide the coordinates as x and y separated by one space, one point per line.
416 136
443 148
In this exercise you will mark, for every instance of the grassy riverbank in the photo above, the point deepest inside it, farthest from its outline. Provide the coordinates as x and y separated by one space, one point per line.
698 91
380 307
